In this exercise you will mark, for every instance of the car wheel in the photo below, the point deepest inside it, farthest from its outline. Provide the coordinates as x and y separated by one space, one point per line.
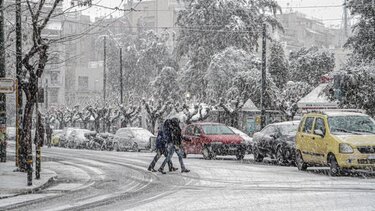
240 156
301 165
279 156
206 153
135 147
334 168
257 156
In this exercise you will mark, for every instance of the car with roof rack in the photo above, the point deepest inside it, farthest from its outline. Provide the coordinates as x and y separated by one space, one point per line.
340 139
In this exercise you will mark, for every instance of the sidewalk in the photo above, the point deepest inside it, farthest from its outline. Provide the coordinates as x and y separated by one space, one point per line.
15 183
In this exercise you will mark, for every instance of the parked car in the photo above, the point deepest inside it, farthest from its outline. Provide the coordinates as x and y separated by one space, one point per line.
63 141
211 139
338 139
107 141
248 140
56 135
133 138
77 139
276 141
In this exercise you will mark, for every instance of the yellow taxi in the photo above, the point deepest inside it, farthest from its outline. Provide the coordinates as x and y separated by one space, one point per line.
338 139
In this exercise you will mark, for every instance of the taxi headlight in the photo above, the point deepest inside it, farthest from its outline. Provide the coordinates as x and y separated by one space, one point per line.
346 148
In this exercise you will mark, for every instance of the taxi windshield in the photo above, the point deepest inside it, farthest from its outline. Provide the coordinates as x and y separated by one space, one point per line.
351 124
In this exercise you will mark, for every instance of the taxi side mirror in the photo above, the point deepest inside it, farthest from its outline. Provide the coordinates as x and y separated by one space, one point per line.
319 133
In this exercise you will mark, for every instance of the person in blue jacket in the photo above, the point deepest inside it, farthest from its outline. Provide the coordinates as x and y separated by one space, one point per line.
174 138
161 144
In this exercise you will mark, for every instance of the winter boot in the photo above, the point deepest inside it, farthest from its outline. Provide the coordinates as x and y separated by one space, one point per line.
173 169
161 171
151 169
185 171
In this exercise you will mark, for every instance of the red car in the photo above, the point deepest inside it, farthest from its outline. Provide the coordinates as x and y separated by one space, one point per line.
211 139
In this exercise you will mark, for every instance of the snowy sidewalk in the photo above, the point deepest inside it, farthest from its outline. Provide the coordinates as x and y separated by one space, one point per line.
15 183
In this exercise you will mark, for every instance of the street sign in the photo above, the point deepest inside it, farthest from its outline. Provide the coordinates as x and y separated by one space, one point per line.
7 85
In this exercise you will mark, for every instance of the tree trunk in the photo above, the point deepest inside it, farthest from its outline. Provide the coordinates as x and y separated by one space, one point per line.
153 123
26 139
124 123
109 124
84 124
97 125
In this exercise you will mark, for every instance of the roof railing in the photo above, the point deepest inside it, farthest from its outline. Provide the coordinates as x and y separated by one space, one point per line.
324 111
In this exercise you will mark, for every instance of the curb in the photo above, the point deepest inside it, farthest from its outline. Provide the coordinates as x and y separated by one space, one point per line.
33 190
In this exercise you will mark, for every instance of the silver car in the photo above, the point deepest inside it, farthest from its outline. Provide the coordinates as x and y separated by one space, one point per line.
133 138
77 139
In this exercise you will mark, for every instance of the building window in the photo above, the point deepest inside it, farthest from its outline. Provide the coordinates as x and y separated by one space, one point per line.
54 95
83 82
54 78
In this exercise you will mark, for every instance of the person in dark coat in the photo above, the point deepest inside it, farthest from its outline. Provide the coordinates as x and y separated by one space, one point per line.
174 145
161 147
49 134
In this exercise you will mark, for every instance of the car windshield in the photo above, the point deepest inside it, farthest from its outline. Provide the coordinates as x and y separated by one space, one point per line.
351 124
142 133
288 129
217 130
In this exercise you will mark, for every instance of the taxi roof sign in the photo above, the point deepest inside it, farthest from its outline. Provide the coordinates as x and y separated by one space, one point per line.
7 85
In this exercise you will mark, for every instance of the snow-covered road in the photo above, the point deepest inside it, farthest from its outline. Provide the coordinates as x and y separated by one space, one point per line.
119 181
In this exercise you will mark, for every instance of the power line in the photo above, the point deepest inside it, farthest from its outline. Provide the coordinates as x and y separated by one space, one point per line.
302 7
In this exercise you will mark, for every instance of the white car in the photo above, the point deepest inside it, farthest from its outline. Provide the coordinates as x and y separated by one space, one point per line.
77 139
133 138
248 140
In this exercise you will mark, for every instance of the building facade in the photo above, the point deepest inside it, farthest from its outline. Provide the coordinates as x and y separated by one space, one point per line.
302 31
160 16
85 55
53 79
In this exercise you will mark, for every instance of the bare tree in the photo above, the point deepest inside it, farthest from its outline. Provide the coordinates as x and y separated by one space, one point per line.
232 109
61 116
97 114
84 116
113 119
156 112
128 113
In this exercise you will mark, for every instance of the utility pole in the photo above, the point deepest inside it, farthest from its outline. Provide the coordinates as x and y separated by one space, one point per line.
104 69
264 63
20 148
36 138
121 79
156 17
346 18
2 95
46 97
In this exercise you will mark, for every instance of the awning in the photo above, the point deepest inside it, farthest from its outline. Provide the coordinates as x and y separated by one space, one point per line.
317 99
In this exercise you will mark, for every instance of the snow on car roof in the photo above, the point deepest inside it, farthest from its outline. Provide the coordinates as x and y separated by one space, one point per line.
133 128
207 123
341 113
287 123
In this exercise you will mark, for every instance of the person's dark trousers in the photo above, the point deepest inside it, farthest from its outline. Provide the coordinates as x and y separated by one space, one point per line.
170 151
179 153
159 153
